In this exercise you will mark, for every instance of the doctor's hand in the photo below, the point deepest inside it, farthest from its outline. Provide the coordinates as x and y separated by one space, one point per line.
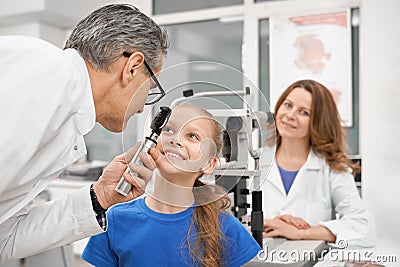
155 154
105 186
295 221
278 228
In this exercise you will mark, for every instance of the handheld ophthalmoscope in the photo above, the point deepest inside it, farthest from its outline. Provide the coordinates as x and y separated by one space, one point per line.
159 121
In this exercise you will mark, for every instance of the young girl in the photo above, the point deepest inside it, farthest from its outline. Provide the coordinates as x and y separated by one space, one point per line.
309 192
181 221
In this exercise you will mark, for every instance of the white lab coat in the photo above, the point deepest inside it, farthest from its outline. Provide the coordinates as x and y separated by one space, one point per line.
46 106
320 196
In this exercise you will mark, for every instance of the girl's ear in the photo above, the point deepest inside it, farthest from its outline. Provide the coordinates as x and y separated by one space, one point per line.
211 166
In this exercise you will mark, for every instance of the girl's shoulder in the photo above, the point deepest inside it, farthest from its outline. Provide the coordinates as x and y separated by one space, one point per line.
127 206
228 221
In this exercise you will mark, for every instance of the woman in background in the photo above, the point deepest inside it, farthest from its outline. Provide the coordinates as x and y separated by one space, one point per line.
309 191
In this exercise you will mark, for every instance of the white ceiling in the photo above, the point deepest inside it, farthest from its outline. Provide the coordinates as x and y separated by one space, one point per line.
61 13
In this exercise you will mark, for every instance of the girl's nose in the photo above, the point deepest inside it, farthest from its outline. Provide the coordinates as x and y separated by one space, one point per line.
174 142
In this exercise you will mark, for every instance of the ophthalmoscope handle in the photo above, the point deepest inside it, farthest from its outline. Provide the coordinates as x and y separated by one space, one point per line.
123 186
158 123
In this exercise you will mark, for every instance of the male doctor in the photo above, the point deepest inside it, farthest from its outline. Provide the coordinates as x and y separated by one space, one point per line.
49 99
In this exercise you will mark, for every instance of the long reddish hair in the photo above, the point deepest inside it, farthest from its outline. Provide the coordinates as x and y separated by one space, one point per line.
327 137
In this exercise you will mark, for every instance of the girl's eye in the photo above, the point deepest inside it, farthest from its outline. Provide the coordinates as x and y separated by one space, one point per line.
168 130
193 136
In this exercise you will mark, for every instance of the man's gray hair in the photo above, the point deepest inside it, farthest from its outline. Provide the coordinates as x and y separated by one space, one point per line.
107 32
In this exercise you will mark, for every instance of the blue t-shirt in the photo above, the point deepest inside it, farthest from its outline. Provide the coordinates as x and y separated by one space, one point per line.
139 236
287 178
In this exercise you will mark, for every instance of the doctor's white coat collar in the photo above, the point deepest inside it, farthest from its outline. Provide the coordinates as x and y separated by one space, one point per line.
270 172
313 162
86 114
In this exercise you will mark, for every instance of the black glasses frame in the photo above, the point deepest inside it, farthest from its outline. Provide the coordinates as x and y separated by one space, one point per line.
153 76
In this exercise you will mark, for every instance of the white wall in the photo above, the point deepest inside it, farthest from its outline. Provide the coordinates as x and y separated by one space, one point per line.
30 29
51 20
380 114
16 8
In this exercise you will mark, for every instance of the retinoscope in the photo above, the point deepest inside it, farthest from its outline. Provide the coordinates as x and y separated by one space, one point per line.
158 123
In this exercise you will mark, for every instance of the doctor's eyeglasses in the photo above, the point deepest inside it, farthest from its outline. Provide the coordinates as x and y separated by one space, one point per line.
156 91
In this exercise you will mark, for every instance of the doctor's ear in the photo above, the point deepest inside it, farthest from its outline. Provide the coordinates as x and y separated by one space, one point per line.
132 66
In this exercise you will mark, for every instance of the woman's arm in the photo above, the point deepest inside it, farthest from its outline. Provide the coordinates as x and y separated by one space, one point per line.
278 227
354 224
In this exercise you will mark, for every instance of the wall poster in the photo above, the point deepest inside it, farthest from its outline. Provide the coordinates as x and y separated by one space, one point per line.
315 46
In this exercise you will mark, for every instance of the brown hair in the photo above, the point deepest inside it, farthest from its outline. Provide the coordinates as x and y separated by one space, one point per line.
327 137
210 201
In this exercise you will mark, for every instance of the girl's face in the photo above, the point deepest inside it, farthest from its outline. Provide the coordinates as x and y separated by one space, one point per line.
186 145
293 117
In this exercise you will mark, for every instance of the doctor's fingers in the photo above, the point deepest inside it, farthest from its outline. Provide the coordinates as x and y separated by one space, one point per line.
128 155
269 224
268 229
138 185
155 154
147 160
295 221
273 233
141 171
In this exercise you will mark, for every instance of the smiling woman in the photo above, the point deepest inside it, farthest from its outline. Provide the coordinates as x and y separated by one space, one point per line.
180 216
293 116
310 184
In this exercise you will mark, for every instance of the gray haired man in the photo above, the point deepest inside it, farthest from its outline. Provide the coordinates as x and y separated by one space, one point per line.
49 99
